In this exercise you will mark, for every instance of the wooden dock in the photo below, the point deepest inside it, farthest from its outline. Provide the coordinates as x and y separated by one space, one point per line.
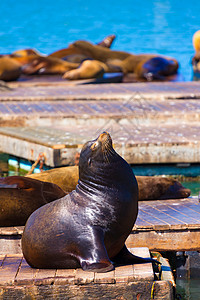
149 122
19 281
161 225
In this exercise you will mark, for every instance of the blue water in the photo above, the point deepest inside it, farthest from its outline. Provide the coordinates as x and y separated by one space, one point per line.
164 27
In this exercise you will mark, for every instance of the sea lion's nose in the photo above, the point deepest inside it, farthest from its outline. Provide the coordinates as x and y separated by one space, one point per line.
103 136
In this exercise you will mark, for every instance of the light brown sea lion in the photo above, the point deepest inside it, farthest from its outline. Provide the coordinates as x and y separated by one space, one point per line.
71 50
150 187
20 196
196 40
48 65
88 227
196 57
9 69
90 69
145 66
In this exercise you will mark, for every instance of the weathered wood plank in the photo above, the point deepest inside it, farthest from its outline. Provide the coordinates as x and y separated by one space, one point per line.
26 274
165 240
10 268
2 257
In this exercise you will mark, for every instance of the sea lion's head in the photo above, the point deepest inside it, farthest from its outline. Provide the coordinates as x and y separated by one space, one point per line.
97 158
98 150
196 41
100 164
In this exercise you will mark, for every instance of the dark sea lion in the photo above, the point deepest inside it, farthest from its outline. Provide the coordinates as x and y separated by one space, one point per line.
20 196
9 68
89 226
150 187
160 188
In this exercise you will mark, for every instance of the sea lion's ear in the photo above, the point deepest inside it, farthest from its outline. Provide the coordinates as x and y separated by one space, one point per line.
89 161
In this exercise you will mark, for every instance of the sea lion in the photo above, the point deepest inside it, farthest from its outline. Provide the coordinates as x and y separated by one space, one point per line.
196 57
144 66
88 227
71 50
150 187
196 41
90 69
20 196
48 65
9 69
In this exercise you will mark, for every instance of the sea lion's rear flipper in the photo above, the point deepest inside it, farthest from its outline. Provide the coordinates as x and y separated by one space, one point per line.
124 257
97 259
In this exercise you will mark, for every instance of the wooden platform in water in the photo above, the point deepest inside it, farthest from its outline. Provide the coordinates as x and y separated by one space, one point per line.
161 225
19 280
167 225
149 122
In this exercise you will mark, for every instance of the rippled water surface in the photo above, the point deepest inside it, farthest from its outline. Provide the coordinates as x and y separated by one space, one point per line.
164 27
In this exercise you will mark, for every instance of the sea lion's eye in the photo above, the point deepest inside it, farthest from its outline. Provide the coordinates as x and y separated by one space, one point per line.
89 161
94 146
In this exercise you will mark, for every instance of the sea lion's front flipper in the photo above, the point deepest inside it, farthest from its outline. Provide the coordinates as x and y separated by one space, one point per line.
97 259
124 257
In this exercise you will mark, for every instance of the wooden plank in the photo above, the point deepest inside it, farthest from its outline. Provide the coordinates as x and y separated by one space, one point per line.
124 274
166 240
107 278
26 274
151 218
9 269
44 276
142 271
172 213
192 216
84 277
162 215
2 257
66 276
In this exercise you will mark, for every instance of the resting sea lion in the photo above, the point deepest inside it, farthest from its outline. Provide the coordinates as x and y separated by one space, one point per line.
150 187
72 50
20 196
48 65
196 40
145 66
89 226
9 69
196 57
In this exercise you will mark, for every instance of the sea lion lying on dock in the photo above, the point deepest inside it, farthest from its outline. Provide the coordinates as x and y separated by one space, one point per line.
9 68
58 62
150 187
20 196
84 60
196 57
88 227
145 66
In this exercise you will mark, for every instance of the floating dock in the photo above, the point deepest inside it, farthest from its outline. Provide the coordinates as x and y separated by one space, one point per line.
149 122
19 281
161 225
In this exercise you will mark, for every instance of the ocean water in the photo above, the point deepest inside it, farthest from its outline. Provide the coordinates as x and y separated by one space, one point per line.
150 26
